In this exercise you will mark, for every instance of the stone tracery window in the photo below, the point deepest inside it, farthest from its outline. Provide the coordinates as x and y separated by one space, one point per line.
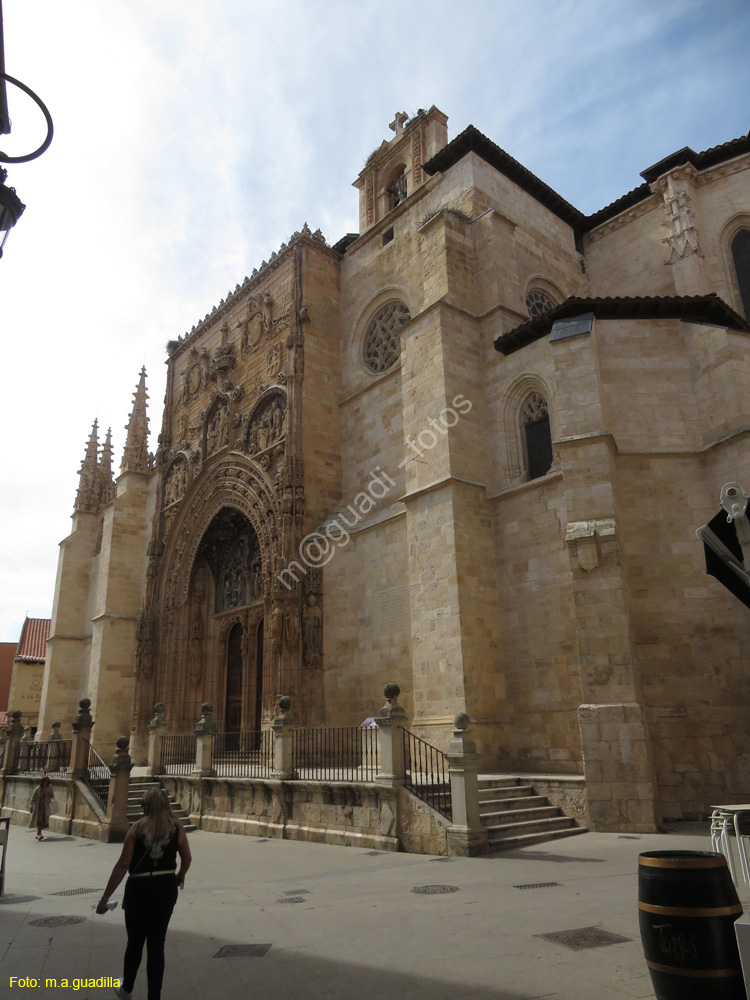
382 344
741 260
537 435
538 302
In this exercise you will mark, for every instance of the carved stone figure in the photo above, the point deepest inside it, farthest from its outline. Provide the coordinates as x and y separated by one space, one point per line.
291 626
313 626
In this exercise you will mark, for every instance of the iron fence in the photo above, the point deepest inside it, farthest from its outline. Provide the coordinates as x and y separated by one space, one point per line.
427 773
96 775
44 757
3 743
178 753
347 753
243 755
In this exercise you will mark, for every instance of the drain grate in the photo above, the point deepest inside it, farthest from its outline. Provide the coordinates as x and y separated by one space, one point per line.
537 885
73 892
56 921
582 938
291 899
296 892
434 890
242 951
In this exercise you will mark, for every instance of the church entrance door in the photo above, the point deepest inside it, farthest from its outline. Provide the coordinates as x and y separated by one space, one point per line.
233 713
258 720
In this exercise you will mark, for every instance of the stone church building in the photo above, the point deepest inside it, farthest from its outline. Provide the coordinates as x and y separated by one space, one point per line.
465 450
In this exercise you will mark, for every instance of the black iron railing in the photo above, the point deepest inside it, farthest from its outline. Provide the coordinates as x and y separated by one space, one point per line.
347 753
44 757
178 754
243 755
2 751
96 775
427 773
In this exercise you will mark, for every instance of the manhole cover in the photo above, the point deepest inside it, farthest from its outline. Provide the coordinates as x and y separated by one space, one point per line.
56 921
537 885
296 892
73 892
584 937
242 951
434 890
374 854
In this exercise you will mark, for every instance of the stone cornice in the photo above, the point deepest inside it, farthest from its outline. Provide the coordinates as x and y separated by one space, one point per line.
254 282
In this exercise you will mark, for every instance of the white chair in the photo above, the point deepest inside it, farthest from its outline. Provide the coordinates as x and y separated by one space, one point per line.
720 826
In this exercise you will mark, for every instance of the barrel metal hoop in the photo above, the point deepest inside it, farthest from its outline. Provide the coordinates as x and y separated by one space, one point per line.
684 863
689 911
694 973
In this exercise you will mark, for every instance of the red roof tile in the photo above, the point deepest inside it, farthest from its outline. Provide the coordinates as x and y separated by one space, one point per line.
33 642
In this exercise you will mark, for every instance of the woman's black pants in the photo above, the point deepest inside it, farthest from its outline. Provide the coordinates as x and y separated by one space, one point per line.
148 904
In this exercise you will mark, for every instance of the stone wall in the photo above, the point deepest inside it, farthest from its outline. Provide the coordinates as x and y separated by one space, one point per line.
77 813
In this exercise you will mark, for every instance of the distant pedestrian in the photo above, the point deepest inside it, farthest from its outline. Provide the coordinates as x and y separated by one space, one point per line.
149 856
40 807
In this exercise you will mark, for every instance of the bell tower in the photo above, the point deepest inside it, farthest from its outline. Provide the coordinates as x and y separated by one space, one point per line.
394 170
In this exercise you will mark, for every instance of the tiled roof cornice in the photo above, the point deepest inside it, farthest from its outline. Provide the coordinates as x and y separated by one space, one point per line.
471 140
690 308
32 646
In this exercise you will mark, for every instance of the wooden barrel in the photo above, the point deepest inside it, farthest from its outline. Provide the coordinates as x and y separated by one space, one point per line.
687 906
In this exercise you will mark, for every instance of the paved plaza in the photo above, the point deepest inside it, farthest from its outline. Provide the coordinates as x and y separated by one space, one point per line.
338 923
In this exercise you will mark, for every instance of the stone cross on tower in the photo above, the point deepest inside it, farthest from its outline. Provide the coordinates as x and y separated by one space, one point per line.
397 125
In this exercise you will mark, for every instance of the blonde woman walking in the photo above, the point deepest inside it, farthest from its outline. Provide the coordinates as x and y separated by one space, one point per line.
149 857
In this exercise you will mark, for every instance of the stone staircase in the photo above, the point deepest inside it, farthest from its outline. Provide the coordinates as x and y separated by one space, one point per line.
515 816
135 793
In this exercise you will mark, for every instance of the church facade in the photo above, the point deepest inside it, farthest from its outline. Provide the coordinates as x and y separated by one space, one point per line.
465 450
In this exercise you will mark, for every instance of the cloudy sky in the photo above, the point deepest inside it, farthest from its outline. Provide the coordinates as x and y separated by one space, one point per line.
192 137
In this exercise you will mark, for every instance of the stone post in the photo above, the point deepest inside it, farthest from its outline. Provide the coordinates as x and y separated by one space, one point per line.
391 720
204 742
466 835
14 733
157 730
116 824
25 750
283 764
82 726
52 748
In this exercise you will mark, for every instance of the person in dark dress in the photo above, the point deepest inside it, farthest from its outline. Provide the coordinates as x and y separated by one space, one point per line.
149 857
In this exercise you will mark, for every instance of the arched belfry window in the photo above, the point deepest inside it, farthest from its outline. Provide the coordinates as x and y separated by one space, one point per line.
381 348
397 190
741 260
537 435
538 302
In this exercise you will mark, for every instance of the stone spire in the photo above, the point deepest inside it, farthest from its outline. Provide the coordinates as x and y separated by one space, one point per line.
86 497
135 457
105 482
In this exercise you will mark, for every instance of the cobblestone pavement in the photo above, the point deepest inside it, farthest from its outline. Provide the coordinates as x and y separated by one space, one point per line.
268 919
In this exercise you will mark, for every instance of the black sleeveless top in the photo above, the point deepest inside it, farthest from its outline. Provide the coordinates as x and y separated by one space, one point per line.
143 864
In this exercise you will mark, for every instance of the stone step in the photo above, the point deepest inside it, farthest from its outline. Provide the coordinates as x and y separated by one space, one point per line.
500 831
493 819
512 802
526 840
490 781
513 791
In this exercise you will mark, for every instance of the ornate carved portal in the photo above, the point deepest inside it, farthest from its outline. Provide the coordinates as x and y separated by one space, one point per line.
226 627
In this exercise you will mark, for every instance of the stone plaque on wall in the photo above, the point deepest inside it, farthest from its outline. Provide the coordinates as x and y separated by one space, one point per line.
392 610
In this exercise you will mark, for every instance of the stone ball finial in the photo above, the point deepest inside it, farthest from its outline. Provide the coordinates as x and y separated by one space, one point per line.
122 742
84 704
207 707
285 703
16 715
391 691
461 721
56 725
159 708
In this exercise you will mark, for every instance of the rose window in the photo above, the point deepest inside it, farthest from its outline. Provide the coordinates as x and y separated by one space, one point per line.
537 303
382 347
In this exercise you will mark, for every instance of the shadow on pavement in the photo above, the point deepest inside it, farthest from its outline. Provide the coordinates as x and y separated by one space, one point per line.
192 971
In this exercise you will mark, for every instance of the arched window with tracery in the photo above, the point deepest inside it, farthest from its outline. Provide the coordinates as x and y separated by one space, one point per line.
741 260
381 348
537 435
538 302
